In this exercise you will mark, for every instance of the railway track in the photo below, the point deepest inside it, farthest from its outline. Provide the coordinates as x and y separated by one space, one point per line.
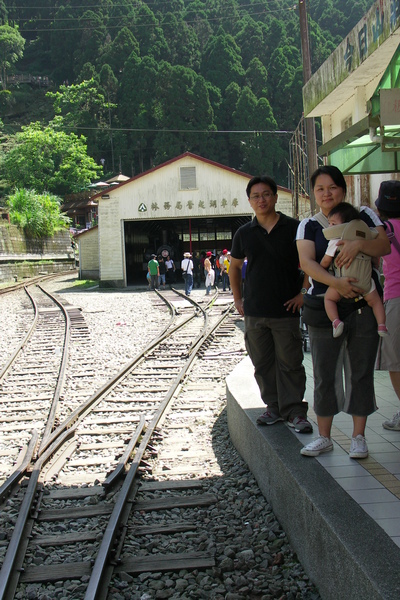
82 488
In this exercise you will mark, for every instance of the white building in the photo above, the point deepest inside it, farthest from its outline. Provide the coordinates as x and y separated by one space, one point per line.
186 204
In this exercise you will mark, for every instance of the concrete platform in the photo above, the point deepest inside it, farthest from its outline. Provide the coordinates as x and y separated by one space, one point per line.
342 516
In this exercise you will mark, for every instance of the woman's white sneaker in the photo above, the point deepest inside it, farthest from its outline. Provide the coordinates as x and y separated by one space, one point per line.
317 446
358 447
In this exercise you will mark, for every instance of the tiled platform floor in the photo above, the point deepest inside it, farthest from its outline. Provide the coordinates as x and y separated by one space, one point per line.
374 483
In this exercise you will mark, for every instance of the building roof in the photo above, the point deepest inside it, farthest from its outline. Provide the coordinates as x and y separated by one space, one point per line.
84 231
76 204
118 179
180 157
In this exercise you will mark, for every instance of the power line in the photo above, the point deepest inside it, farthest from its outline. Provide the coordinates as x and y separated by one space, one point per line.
196 131
115 5
121 17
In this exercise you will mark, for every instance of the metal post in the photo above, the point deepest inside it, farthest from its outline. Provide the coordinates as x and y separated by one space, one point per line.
309 123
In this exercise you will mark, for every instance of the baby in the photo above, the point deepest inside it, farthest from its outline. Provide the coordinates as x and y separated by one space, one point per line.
361 269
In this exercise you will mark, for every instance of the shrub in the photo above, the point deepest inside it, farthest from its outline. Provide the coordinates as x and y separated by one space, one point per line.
37 214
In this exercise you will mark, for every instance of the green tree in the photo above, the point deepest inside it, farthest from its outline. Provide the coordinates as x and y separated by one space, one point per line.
196 16
11 50
148 33
93 37
262 151
256 78
137 111
183 106
222 62
119 50
38 215
184 47
88 72
63 42
48 160
85 107
251 39
229 143
3 13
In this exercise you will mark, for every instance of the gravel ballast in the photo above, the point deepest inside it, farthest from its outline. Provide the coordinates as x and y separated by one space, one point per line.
254 559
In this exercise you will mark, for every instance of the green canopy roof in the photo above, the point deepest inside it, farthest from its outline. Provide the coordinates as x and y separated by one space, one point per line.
369 146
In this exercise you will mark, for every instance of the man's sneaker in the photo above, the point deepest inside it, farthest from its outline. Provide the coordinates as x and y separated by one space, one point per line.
268 418
393 423
317 446
300 425
358 447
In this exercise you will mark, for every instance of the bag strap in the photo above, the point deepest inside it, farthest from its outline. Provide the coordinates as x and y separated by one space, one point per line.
391 234
322 219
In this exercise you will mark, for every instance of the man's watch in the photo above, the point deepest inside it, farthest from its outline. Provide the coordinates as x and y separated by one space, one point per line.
303 291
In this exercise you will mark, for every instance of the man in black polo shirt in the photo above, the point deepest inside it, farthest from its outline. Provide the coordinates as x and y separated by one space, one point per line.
270 306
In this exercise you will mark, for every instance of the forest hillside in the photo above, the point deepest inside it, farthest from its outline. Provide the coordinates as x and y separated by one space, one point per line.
145 81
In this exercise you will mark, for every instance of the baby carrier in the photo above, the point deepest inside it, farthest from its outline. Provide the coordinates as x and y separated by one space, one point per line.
361 267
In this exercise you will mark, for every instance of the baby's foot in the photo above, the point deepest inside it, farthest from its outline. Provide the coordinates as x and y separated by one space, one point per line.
382 330
338 327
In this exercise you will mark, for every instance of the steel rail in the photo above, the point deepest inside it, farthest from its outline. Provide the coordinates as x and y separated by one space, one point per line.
84 408
7 486
19 473
97 584
8 574
65 431
17 538
33 280
26 338
120 468
61 372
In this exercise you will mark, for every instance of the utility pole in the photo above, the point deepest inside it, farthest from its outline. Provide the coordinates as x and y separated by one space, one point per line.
309 123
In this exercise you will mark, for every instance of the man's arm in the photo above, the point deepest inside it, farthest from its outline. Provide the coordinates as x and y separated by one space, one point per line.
297 302
235 277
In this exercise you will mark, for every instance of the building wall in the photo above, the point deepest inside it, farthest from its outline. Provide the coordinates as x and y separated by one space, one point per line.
157 194
25 257
112 268
89 260
350 112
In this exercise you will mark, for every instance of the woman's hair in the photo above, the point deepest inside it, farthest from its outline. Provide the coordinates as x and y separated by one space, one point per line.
385 214
346 211
335 173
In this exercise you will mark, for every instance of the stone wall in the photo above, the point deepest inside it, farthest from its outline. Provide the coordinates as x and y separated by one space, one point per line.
24 257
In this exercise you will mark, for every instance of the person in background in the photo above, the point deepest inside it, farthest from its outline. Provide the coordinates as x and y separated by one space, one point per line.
187 272
217 268
196 271
388 205
202 259
271 305
343 366
170 266
210 273
153 269
162 270
225 272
